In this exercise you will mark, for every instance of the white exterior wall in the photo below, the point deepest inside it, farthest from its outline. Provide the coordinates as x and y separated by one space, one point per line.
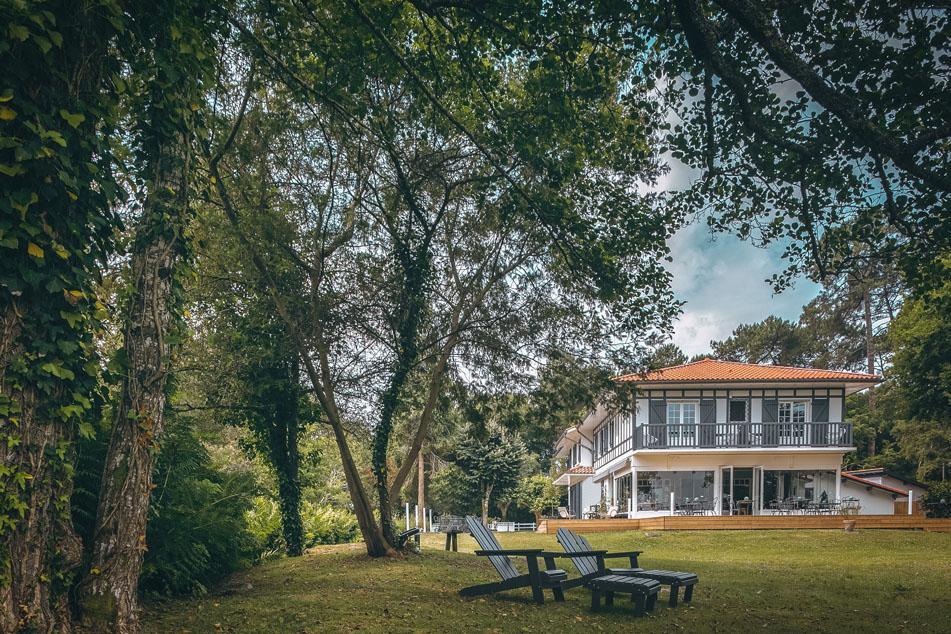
873 501
713 460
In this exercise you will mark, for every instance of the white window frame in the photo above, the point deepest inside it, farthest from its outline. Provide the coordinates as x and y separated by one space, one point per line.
680 431
792 429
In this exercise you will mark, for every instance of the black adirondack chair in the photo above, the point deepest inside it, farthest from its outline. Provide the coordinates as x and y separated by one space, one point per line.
536 579
591 566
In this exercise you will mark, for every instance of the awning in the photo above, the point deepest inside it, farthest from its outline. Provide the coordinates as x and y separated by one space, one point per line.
573 476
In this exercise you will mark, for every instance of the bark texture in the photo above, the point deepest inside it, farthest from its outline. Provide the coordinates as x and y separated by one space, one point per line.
108 594
43 546
38 546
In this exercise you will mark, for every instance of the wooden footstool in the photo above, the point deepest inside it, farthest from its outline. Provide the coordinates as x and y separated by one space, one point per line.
643 591
676 581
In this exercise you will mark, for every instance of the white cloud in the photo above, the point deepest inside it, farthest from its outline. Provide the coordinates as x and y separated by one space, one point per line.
723 282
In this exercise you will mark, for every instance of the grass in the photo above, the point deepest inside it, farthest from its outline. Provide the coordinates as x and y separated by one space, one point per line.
776 581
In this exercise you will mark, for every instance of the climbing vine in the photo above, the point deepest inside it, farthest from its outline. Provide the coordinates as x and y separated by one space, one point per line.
57 189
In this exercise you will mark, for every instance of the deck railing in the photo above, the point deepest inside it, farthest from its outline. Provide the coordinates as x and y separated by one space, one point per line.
740 435
612 453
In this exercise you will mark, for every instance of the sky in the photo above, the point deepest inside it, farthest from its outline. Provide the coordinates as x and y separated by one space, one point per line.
723 280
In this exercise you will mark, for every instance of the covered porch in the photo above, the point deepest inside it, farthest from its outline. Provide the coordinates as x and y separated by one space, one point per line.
734 484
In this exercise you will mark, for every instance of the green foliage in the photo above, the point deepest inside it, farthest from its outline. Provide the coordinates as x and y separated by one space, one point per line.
807 131
773 340
665 356
451 493
921 336
538 494
491 464
325 524
937 499
197 531
57 115
322 524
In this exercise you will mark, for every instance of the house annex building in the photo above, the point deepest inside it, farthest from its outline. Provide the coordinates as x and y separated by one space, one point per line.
730 438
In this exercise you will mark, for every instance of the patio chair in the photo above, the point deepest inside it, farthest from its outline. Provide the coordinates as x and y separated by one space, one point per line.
551 578
590 564
565 514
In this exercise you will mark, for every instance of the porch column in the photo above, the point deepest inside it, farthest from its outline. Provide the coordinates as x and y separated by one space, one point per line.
838 482
633 506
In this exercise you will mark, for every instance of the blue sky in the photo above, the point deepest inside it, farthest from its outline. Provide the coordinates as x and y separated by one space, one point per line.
723 282
723 279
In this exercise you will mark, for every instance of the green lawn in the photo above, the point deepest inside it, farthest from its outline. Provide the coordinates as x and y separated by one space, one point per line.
776 581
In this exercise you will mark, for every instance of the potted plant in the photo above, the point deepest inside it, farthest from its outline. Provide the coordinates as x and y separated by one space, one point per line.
849 508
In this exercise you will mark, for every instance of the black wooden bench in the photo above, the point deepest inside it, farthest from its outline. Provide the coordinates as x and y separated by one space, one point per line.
643 591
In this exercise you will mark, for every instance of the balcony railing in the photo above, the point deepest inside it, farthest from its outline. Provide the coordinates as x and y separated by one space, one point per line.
612 453
740 435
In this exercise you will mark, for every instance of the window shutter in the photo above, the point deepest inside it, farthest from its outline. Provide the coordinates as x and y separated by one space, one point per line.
770 410
708 419
658 413
820 410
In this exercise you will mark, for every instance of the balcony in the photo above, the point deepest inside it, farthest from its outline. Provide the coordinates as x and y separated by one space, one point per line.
742 435
612 453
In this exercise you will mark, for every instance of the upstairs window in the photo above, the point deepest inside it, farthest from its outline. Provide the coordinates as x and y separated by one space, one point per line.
681 420
737 411
792 419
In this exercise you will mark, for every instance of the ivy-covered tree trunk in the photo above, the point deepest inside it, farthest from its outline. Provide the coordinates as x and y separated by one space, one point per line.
108 594
42 548
57 227
285 456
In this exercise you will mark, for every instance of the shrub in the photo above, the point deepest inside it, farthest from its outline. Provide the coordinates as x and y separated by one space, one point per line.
538 494
328 525
937 500
197 532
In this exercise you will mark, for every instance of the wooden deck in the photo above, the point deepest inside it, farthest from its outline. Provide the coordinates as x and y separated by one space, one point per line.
760 522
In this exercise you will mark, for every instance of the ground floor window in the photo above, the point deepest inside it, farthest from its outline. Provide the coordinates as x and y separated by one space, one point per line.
623 499
802 485
654 488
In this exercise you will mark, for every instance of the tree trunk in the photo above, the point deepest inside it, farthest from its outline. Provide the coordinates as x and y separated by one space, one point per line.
38 547
504 508
485 504
108 594
870 358
43 545
285 456
421 480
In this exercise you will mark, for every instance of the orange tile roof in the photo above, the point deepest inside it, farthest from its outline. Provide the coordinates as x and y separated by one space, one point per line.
581 469
714 370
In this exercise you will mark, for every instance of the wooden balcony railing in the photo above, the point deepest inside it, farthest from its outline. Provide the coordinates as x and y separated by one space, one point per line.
613 452
740 435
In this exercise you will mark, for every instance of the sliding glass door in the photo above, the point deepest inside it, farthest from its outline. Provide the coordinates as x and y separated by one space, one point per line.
741 490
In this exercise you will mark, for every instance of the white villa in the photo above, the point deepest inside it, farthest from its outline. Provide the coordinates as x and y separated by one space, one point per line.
721 438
